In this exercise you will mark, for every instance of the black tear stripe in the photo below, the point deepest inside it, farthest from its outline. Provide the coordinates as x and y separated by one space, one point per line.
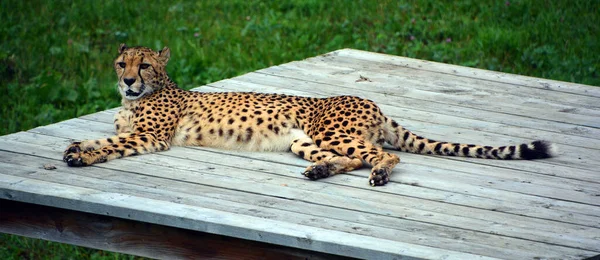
140 74
153 69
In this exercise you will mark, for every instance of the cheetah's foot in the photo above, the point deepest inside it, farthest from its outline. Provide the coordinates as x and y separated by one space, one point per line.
379 177
318 171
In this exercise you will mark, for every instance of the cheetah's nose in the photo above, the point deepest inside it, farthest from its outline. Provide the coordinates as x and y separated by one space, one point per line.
129 81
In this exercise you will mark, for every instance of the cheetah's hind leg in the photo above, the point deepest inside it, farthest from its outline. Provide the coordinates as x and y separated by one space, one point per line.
381 161
326 163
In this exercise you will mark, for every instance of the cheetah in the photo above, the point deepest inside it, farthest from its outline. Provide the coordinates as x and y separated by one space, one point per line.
337 134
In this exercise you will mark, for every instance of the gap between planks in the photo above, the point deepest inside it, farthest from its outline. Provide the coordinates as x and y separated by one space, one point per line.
118 186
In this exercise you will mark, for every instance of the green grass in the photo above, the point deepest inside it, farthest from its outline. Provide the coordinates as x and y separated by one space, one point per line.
55 56
14 247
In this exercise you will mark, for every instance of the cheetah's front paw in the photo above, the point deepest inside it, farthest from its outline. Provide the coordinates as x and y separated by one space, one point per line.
75 160
73 155
73 148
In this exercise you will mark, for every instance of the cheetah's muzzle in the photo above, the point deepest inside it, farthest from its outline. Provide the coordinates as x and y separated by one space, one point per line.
131 93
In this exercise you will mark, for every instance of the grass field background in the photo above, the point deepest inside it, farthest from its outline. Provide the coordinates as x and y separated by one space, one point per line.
56 56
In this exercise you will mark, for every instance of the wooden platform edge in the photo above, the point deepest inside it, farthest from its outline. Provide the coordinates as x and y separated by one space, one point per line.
135 238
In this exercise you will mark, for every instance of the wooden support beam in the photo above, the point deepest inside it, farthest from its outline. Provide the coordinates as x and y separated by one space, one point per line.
132 237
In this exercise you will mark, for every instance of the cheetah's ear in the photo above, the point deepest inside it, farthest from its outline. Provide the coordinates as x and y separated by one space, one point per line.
164 54
122 48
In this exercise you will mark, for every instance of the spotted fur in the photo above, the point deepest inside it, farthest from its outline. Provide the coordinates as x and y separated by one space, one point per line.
338 134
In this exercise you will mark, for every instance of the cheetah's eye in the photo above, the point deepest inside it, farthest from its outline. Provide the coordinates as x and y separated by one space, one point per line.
121 64
144 66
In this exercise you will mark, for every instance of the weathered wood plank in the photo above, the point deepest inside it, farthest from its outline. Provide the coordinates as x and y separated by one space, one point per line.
468 241
461 71
261 162
131 237
213 221
389 202
450 84
165 193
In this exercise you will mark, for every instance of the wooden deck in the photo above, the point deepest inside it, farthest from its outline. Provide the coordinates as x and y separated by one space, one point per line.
434 207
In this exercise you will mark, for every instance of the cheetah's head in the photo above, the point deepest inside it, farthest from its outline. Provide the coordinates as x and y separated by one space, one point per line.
141 70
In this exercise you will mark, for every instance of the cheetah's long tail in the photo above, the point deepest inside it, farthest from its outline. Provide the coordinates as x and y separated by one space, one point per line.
406 141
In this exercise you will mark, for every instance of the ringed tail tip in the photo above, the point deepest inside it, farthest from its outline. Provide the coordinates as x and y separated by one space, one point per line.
538 150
